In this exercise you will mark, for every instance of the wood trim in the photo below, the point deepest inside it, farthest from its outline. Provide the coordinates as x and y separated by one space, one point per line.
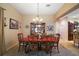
2 42
65 9
2 8
69 11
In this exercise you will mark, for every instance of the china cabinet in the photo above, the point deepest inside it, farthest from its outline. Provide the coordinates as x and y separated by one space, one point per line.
37 28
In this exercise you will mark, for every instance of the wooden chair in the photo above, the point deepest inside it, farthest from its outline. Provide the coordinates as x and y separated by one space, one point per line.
21 41
44 43
55 43
33 43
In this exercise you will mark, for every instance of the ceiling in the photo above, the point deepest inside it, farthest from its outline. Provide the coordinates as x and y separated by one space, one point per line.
31 8
73 15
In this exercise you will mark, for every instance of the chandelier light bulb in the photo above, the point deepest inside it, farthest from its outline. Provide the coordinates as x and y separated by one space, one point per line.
34 20
41 19
37 18
39 25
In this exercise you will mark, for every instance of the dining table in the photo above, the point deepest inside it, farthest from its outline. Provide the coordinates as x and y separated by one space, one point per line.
39 41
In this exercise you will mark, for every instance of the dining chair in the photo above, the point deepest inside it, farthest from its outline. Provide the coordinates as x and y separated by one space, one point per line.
55 43
32 44
21 41
43 43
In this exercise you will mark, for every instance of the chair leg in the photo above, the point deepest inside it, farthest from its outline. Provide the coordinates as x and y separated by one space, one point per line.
25 47
57 49
29 49
19 48
50 51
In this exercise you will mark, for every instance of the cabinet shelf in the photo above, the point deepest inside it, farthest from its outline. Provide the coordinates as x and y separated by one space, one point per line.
36 28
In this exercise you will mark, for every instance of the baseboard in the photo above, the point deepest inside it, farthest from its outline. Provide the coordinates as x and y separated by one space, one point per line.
11 46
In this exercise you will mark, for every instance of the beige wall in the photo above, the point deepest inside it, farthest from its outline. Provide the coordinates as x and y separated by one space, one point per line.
11 34
62 28
28 19
62 23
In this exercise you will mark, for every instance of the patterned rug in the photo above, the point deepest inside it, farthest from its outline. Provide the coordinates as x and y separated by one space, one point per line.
63 52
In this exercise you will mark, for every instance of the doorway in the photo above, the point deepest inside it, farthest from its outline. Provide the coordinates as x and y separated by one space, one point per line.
70 31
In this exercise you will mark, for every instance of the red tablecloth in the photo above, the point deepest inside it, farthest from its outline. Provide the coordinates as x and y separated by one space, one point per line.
34 39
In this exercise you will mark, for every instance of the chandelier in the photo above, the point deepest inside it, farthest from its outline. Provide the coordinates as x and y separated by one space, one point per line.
37 18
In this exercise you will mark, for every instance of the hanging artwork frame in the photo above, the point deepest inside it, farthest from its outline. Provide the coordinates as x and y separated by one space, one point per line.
50 28
13 24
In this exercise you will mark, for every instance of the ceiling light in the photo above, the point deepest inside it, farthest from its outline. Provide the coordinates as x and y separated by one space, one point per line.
41 19
37 18
48 5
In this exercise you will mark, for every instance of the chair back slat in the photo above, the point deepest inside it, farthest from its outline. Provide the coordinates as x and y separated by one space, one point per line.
58 37
20 36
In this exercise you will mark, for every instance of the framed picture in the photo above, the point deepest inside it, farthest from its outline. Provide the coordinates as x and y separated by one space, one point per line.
13 24
50 28
27 26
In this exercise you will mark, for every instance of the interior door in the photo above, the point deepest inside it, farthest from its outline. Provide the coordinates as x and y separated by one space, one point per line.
70 30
